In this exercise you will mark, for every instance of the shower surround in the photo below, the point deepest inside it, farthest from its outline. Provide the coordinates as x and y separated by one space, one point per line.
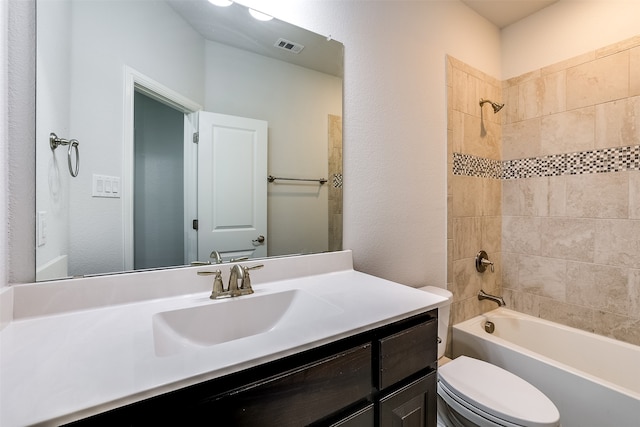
566 181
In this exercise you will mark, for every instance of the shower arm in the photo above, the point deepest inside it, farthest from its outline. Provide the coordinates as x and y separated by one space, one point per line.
496 107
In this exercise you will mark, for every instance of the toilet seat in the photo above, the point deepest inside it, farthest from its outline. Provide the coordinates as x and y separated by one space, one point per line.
492 393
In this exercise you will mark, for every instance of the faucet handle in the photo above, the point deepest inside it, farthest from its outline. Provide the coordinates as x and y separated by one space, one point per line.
218 286
246 282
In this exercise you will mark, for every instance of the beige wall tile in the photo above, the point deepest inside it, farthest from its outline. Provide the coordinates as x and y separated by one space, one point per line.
554 93
491 234
459 90
634 71
567 314
530 99
526 197
617 242
618 47
510 270
473 96
522 302
467 196
490 146
571 62
542 276
457 132
598 195
523 78
568 132
568 238
602 80
618 123
634 293
510 110
467 237
472 139
449 263
521 139
464 310
521 235
467 282
634 194
599 286
491 197
557 196
616 326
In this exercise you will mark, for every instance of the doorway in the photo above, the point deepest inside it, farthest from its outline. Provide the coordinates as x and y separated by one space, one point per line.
158 213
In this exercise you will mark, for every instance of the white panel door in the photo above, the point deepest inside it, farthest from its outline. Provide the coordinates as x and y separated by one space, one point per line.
232 186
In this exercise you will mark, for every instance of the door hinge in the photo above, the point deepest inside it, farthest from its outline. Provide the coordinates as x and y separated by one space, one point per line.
196 137
194 224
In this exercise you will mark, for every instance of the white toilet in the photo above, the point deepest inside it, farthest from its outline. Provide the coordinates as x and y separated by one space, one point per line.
474 393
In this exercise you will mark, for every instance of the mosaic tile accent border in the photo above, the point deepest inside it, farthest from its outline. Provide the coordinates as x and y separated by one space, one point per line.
337 180
618 159
465 164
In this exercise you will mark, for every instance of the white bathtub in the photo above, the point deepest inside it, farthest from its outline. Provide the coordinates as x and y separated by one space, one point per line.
593 380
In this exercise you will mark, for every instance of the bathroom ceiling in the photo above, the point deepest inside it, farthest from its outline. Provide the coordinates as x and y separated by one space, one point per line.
506 12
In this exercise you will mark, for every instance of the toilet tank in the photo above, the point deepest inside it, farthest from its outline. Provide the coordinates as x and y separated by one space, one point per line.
444 309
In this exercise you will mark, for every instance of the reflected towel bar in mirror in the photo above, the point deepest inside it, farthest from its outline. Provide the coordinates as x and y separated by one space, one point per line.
272 178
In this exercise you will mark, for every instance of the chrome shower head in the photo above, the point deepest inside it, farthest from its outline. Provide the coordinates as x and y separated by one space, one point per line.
496 107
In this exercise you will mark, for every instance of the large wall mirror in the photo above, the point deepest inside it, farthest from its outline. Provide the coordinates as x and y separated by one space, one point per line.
168 118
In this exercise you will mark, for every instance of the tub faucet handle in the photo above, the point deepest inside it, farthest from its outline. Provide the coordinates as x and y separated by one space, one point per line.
482 261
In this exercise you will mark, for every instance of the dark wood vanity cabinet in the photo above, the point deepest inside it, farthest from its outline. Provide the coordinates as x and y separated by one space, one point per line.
379 378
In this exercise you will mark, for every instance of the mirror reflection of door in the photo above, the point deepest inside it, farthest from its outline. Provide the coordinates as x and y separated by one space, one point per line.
232 186
158 184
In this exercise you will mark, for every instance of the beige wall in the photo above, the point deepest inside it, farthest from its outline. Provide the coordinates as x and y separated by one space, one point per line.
571 241
474 191
570 192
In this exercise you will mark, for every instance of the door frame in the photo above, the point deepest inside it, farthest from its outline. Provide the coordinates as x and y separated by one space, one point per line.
136 81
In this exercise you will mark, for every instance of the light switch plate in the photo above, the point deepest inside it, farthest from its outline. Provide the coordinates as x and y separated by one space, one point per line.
106 186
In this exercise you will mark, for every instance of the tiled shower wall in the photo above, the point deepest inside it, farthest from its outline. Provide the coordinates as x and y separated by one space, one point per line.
571 232
335 182
570 180
474 200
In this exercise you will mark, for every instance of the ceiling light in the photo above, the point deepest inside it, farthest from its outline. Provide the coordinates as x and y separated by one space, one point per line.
221 3
260 16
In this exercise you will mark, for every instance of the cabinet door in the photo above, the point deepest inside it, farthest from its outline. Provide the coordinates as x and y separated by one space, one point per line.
411 406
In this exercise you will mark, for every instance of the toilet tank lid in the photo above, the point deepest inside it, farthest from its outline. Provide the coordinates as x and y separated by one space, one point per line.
502 394
438 291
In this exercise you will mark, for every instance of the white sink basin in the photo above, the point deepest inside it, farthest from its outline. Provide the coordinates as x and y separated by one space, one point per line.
236 318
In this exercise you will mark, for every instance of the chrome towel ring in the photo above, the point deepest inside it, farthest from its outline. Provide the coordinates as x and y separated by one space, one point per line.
55 141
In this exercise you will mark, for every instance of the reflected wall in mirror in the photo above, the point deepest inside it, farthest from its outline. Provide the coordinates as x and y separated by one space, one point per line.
131 81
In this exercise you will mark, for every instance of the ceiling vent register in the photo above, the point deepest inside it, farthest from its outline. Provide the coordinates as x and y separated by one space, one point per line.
289 45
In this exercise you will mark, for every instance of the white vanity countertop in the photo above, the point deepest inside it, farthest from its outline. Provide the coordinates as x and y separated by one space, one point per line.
78 361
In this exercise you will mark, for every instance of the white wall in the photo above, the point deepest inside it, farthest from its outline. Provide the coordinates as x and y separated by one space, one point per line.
4 247
395 122
566 29
296 102
18 142
97 99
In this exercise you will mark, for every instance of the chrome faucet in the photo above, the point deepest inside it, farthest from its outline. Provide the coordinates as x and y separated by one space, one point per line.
483 295
239 281
216 255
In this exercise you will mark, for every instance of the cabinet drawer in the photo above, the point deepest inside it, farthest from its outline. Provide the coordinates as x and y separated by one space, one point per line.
301 396
407 352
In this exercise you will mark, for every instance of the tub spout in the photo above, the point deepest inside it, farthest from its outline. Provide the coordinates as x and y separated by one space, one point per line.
483 295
